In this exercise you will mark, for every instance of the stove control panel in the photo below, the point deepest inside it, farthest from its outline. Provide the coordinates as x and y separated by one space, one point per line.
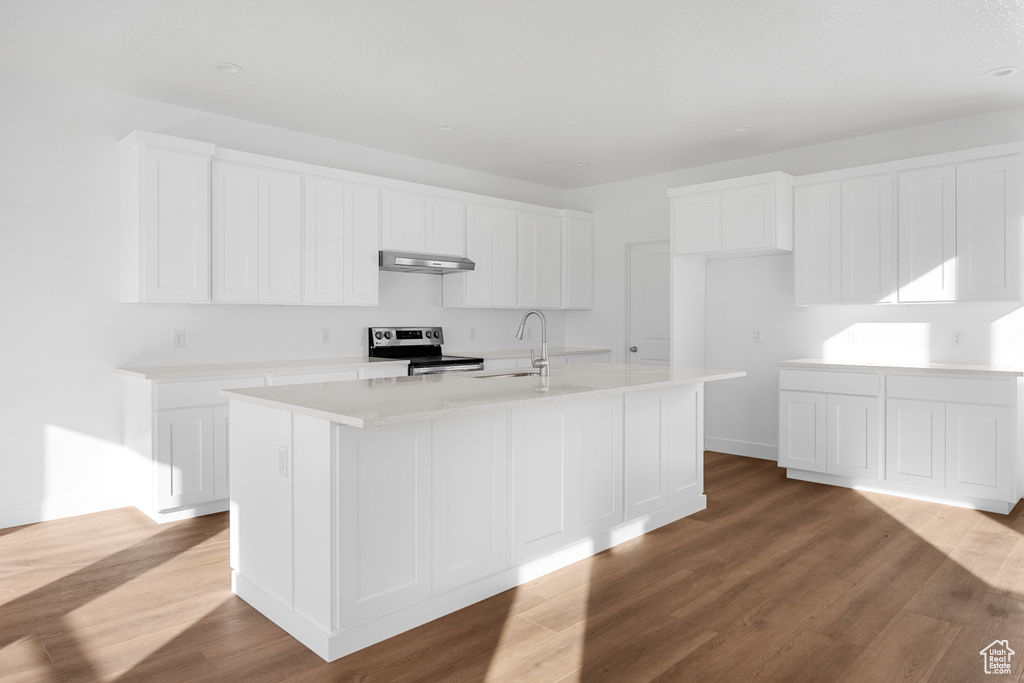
405 336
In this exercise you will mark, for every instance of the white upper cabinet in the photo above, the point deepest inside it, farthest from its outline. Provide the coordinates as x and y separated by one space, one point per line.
256 234
492 244
817 238
988 218
941 232
740 217
429 225
539 261
340 242
577 262
926 222
165 215
867 239
843 237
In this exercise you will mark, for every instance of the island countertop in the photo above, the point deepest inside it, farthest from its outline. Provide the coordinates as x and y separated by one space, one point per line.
820 364
394 400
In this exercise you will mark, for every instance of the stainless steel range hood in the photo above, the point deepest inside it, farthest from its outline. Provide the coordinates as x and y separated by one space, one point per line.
405 262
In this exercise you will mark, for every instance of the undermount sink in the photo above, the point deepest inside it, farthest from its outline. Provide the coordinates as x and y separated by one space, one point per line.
509 374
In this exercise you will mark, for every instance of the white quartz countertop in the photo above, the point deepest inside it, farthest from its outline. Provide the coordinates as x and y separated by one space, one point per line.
394 400
502 354
212 370
820 364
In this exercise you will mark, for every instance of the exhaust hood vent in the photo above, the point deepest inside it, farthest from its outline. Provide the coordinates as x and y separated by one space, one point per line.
404 262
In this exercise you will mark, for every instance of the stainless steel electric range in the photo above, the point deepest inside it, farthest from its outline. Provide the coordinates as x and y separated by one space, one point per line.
421 346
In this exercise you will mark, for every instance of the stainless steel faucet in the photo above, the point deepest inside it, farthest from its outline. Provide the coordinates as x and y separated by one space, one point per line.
540 363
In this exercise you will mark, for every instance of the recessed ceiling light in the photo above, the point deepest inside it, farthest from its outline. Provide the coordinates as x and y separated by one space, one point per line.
742 129
445 128
581 164
1001 72
228 68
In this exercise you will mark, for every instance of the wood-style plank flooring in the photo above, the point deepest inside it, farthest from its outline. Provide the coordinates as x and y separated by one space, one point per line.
777 580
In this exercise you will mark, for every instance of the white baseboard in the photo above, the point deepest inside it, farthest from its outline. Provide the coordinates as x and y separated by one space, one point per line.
762 451
46 510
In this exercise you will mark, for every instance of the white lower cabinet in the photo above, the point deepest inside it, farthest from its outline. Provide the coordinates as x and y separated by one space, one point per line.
664 461
545 444
185 457
952 436
915 450
470 507
384 530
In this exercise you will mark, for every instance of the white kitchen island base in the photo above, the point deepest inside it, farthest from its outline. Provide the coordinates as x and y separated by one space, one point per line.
346 536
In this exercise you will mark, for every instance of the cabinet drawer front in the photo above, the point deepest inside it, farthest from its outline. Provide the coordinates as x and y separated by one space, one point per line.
204 393
830 382
996 392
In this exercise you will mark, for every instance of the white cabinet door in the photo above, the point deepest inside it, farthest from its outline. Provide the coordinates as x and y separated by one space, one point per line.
817 237
539 261
685 417
175 215
470 507
185 457
362 244
445 226
280 236
915 443
323 234
926 225
221 472
544 443
598 477
853 437
578 263
383 519
867 239
696 223
988 214
802 431
748 217
235 233
646 454
979 451
402 224
340 229
491 243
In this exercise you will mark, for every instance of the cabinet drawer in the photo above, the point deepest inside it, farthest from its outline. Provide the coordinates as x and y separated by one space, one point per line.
830 382
312 377
950 389
187 394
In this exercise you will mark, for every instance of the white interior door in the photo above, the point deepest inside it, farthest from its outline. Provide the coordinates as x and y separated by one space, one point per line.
648 297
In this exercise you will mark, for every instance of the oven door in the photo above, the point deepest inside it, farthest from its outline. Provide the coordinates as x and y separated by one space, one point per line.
438 369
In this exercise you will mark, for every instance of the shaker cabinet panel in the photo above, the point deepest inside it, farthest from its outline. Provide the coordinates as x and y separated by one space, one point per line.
185 457
802 431
853 436
748 217
926 222
445 226
988 216
979 451
280 236
817 243
697 223
867 239
235 233
915 443
578 263
539 261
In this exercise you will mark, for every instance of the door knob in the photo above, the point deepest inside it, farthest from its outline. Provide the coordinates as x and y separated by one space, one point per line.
633 349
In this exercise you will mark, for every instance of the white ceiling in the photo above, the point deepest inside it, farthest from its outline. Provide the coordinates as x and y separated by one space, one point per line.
535 87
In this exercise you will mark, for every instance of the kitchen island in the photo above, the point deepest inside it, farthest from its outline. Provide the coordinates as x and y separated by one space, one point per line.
362 509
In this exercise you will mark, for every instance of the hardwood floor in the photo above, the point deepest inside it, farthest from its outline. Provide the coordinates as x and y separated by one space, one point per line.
777 580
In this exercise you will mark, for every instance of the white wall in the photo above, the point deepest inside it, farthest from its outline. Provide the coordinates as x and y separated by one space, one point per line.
747 293
64 330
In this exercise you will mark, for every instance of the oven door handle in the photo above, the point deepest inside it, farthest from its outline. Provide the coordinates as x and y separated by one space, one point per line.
438 369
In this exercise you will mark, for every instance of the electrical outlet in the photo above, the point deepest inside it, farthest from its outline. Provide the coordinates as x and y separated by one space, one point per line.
472 333
282 461
758 335
851 337
179 339
325 335
958 337
529 331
